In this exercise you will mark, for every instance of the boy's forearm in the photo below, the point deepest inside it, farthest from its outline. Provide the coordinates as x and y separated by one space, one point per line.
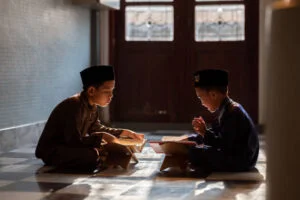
114 131
98 127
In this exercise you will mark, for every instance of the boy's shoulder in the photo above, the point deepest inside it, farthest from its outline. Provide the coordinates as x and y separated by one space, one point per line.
237 110
234 106
71 101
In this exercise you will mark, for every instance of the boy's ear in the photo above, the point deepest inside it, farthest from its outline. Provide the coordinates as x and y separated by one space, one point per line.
91 91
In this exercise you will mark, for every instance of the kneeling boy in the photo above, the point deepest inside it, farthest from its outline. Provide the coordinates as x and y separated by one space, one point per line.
70 139
232 143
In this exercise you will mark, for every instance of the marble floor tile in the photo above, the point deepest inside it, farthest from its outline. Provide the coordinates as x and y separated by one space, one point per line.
21 195
14 176
55 178
10 161
33 187
78 188
22 176
32 162
143 169
20 168
24 150
17 155
5 182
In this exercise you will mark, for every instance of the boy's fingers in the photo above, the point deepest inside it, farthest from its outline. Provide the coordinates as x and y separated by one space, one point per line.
199 120
138 136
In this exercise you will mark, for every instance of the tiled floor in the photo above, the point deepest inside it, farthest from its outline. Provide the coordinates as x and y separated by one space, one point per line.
22 176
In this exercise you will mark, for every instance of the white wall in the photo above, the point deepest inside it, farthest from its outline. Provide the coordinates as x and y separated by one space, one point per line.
44 44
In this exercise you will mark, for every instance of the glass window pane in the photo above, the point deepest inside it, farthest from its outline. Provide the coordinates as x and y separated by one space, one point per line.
149 0
149 23
220 23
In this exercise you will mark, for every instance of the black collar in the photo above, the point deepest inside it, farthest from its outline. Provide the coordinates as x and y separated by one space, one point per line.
223 107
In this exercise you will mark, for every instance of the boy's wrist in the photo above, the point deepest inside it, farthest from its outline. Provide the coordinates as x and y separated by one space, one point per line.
202 134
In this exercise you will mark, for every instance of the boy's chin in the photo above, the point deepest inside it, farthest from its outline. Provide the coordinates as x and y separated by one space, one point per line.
211 110
103 105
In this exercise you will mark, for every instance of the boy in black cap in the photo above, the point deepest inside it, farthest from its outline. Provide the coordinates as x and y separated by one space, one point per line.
71 138
232 143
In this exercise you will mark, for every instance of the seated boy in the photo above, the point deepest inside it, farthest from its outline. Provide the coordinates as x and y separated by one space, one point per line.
71 138
231 144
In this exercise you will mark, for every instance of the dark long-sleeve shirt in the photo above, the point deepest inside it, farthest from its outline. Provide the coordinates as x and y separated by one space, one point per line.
234 136
70 125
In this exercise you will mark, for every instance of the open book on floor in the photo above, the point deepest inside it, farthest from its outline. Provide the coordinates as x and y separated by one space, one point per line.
134 145
175 150
121 150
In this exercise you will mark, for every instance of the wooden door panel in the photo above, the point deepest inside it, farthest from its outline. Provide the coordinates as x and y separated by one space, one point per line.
154 79
144 84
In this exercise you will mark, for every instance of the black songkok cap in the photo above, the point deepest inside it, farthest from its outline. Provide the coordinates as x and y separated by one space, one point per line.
97 75
211 77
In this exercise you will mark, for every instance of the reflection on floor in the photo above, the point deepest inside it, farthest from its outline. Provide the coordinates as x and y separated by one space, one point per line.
22 176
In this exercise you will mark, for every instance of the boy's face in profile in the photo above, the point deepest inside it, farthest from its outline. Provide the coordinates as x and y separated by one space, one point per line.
208 99
101 95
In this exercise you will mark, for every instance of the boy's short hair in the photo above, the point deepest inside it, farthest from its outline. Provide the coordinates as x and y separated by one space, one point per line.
96 75
96 85
212 79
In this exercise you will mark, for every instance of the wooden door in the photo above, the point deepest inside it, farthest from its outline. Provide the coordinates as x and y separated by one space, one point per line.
154 73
